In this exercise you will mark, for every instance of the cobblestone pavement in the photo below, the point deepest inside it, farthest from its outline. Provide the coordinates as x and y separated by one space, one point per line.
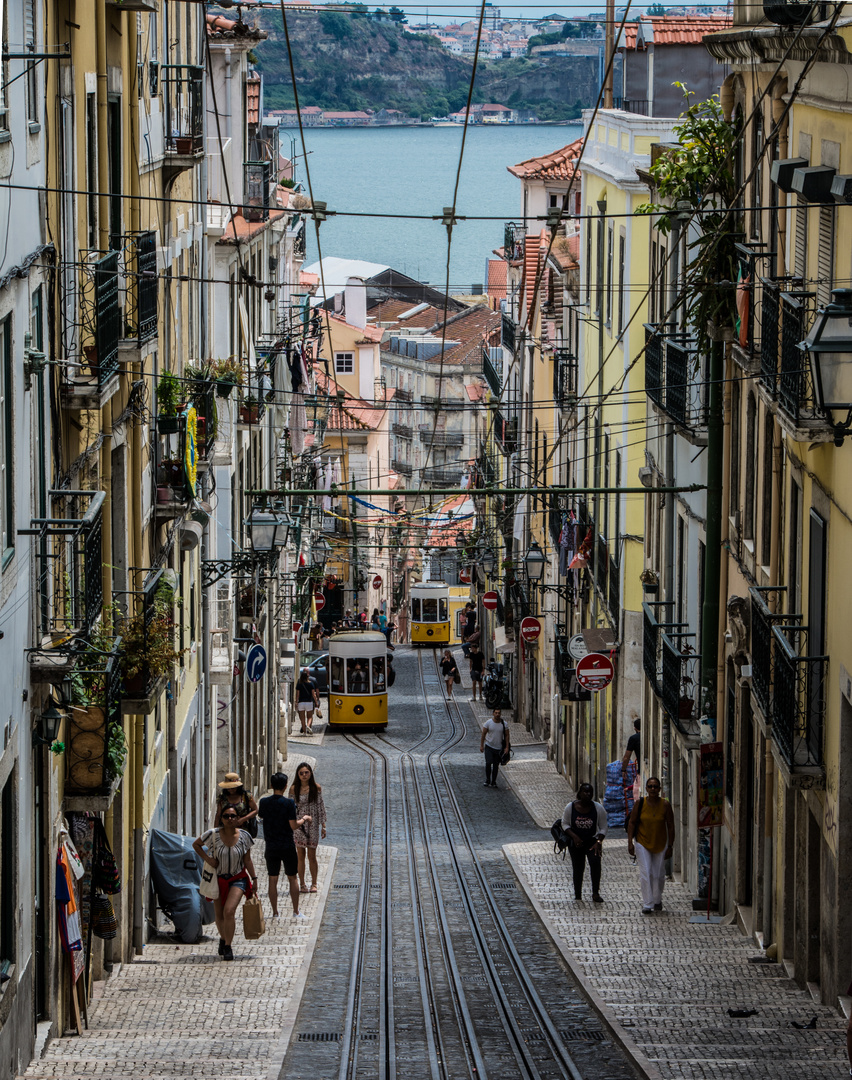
180 1012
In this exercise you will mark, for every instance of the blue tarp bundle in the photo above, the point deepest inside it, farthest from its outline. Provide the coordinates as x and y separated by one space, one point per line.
618 797
176 874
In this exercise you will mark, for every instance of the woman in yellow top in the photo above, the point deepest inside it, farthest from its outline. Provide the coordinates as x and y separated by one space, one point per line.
651 837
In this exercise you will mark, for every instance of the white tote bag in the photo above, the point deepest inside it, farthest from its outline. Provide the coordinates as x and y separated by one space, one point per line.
209 887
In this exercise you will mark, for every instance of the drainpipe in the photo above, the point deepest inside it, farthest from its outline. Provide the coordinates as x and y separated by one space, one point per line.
670 516
103 145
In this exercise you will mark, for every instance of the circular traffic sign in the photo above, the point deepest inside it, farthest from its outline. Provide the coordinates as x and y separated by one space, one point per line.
530 628
577 647
464 577
489 601
255 663
594 671
319 601
377 582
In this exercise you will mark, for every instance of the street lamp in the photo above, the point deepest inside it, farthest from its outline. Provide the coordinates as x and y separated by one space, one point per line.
829 349
486 561
461 540
48 725
534 561
322 550
268 530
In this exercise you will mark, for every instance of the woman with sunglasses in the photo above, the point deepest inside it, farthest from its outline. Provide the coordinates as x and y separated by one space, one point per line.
585 822
307 795
228 851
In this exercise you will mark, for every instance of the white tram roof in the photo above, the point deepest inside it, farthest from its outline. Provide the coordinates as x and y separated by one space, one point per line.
430 585
357 637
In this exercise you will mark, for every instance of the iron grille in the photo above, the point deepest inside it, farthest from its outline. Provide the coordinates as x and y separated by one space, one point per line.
506 432
183 107
654 365
769 324
564 664
299 242
68 558
601 565
794 384
798 701
513 241
651 643
762 644
507 337
257 185
402 467
614 591
139 251
672 694
493 377
402 430
440 438
564 379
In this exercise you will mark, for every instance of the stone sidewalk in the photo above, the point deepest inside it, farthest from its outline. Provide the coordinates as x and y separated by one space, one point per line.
663 984
180 1011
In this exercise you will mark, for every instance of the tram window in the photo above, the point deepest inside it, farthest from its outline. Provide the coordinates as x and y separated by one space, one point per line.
378 674
442 609
415 608
430 610
357 676
337 674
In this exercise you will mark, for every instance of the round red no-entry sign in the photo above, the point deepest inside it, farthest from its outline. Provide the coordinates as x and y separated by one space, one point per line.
489 601
595 671
530 628
377 582
319 601
464 577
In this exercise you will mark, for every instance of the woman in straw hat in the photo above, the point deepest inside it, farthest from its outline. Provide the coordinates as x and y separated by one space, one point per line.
233 794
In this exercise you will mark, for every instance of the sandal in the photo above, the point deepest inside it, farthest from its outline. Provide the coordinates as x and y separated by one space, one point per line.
313 888
303 888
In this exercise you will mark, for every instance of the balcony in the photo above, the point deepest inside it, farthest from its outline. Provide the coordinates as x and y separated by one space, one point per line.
564 379
798 701
401 395
140 267
150 631
652 630
183 116
91 329
784 13
68 575
614 591
442 475
493 372
770 322
677 690
513 242
299 241
638 106
440 438
506 432
402 431
674 381
507 333
441 404
257 190
601 565
402 467
763 619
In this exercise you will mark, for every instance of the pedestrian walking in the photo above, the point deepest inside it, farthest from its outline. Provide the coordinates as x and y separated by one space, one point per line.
469 626
449 671
280 821
477 670
494 743
232 794
316 636
306 701
633 747
651 837
307 795
584 820
228 851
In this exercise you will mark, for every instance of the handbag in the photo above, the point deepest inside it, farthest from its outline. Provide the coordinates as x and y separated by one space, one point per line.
104 922
104 870
254 924
508 753
560 838
209 885
456 676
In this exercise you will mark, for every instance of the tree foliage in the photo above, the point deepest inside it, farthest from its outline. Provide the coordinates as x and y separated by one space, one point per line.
335 25
698 174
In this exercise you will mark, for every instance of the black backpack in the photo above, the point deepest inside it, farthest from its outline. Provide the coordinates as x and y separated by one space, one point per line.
560 838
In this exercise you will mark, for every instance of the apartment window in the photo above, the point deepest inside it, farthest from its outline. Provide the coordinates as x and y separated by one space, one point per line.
768 481
599 277
825 255
552 200
794 562
681 570
32 69
622 247
91 170
757 179
610 241
114 158
589 255
662 268
344 363
734 494
7 444
8 876
750 454
606 484
615 549
800 261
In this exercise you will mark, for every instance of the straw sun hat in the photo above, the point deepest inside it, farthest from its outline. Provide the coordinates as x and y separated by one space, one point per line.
232 780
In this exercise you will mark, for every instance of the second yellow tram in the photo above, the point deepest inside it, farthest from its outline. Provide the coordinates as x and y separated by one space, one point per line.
429 617
358 676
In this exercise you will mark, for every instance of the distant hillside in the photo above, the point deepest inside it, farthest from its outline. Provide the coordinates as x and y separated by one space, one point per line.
349 62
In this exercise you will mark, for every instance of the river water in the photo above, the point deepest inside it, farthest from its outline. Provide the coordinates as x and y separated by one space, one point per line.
412 171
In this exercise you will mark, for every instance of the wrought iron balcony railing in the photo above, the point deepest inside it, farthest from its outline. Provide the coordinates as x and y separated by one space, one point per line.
140 267
673 379
402 467
795 391
513 241
440 438
507 333
770 322
91 318
652 630
401 395
257 190
798 698
749 282
564 379
614 591
69 567
403 431
441 474
676 683
639 106
95 745
564 663
299 242
602 565
506 432
492 372
763 619
183 107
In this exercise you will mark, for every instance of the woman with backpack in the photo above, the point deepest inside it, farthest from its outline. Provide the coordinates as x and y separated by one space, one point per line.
232 794
449 671
585 824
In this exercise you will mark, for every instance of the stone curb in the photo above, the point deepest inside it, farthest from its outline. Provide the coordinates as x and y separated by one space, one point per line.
291 1013
645 1066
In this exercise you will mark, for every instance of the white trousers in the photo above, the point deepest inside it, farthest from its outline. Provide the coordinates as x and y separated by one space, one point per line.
652 874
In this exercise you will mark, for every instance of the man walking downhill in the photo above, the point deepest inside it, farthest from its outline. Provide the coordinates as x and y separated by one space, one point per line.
494 743
278 814
477 667
651 837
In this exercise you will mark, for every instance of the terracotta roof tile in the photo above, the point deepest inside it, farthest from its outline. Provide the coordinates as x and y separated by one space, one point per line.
239 229
349 413
677 29
476 391
534 249
556 166
253 100
497 276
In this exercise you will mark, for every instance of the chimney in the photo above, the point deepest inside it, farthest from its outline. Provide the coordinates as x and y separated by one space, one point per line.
356 302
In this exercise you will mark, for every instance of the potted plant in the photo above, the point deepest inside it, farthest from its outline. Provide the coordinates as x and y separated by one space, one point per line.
91 353
250 411
183 144
228 374
168 397
170 473
650 581
149 646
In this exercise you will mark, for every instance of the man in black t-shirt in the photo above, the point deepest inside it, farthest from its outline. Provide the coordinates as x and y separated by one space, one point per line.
632 748
477 666
278 814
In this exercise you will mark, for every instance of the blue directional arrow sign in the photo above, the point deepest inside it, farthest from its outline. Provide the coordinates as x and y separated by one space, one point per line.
256 663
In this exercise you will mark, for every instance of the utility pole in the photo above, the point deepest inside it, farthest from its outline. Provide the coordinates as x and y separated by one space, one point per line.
609 42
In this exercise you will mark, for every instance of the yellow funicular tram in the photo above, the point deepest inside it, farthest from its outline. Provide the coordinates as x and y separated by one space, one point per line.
358 676
430 613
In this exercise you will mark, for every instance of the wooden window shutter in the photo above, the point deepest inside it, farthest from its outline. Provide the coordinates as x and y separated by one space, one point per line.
800 261
825 255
